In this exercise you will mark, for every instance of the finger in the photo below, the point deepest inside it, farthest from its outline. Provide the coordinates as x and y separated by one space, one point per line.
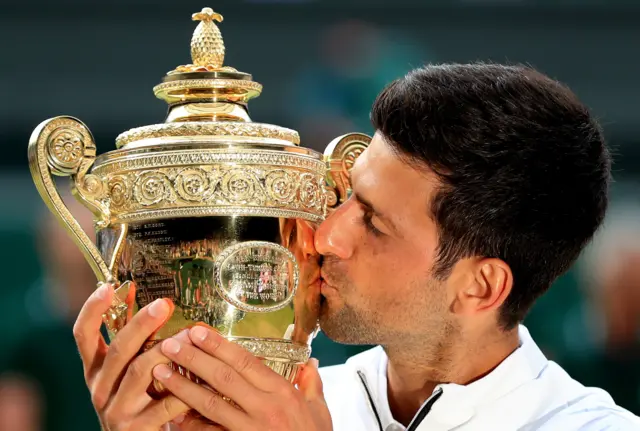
214 372
192 423
244 363
131 396
159 413
310 383
208 403
126 346
86 329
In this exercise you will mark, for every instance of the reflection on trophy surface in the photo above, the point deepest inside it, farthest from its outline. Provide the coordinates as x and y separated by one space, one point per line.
208 209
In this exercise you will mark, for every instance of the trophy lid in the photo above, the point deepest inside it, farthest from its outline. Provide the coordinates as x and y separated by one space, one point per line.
207 98
206 78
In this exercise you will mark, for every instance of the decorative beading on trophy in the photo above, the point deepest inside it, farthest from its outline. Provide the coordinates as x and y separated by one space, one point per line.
221 130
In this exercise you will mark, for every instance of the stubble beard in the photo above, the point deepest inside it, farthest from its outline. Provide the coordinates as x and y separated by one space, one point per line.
347 325
429 334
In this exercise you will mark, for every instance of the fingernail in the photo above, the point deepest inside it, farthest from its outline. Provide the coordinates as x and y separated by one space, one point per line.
171 346
315 362
162 372
179 419
182 335
199 333
159 308
101 292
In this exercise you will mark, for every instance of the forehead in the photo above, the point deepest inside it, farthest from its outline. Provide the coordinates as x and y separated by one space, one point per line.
393 187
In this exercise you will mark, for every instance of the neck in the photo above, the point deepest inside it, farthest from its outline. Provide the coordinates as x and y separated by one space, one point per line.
412 376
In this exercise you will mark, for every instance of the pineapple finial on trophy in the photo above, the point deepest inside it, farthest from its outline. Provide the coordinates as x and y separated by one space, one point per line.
207 46
205 90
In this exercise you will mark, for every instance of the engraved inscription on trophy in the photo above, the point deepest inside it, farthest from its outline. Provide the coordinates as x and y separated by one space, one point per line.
151 266
257 276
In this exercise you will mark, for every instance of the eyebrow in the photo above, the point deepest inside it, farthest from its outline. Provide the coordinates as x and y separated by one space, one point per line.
386 220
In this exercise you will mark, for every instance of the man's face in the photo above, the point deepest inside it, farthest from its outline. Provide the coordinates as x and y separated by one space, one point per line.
378 251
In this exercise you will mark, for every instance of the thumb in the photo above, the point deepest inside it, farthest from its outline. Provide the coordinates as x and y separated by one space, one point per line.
310 383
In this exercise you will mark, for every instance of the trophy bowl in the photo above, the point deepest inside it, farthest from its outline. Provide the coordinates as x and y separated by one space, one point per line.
208 209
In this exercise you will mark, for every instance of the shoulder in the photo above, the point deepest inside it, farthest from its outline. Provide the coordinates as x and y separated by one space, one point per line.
574 407
592 416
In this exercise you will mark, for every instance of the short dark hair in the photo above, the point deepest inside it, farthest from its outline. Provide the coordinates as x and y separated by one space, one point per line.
523 165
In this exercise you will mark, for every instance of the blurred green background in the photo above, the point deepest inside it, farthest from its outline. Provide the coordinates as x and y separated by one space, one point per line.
322 64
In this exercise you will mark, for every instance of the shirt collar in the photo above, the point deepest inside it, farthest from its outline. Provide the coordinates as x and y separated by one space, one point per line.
458 403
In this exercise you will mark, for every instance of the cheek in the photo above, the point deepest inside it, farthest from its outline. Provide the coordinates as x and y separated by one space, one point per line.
388 271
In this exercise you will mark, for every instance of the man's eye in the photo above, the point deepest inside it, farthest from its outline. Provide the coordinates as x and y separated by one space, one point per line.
368 224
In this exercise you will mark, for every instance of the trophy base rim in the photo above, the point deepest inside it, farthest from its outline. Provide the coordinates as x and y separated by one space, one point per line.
284 357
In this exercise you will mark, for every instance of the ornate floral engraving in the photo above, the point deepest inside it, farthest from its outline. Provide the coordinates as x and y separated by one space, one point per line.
92 185
194 185
281 185
341 155
204 182
219 189
241 186
311 191
152 187
350 156
118 191
66 147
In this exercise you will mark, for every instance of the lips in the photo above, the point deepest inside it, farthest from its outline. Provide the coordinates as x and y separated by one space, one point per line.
325 285
325 280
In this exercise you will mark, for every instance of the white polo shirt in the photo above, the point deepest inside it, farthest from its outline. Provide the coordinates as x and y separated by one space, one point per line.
525 392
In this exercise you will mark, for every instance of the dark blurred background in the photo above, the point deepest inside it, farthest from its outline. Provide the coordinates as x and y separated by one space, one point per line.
321 63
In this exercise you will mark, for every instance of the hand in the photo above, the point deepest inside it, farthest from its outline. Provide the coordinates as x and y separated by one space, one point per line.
117 377
267 400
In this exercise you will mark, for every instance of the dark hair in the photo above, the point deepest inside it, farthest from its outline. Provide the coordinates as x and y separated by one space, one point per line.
524 168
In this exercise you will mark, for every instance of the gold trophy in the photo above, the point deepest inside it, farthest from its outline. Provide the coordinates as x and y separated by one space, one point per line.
206 209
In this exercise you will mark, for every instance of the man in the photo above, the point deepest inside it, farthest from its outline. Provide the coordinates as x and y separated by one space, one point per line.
481 186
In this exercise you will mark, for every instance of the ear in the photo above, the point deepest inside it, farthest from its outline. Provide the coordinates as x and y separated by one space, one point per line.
488 287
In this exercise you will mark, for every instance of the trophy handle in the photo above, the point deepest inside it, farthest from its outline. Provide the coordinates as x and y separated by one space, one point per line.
64 146
340 156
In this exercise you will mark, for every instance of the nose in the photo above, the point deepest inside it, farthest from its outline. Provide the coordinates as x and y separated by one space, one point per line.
337 235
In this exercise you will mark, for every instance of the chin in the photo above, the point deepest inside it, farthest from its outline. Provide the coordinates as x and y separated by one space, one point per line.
324 313
340 326
342 337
